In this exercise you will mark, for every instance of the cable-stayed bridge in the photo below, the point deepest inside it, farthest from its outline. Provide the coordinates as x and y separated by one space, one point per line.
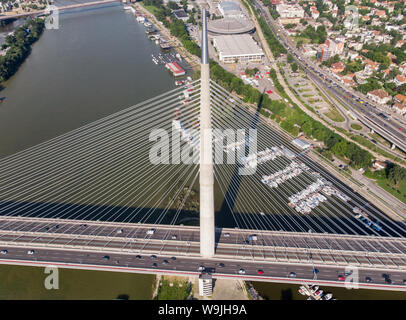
142 190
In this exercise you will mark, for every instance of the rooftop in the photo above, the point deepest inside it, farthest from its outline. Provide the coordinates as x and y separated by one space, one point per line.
242 44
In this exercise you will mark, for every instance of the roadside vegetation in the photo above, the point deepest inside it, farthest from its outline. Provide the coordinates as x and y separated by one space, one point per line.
391 179
173 290
18 46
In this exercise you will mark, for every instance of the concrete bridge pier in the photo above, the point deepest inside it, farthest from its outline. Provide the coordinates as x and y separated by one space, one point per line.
207 230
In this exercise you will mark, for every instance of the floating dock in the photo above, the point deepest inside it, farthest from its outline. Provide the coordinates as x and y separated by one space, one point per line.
175 68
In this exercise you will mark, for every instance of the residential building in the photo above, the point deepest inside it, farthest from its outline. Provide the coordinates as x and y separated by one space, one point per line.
379 96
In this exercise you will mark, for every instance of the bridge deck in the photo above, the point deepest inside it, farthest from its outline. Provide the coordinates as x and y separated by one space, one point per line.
234 244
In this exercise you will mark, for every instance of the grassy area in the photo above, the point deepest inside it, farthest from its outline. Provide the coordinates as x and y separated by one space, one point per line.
356 126
151 9
334 115
381 180
27 283
173 290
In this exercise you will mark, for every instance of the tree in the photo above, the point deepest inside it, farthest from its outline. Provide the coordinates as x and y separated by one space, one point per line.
294 66
396 174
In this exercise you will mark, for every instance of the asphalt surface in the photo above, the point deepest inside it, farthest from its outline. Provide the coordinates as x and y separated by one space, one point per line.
187 266
323 249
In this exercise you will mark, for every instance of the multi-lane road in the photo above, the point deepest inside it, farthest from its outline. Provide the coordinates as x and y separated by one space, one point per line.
176 250
220 268
366 112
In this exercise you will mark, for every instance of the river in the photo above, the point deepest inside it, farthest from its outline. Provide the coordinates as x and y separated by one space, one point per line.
98 62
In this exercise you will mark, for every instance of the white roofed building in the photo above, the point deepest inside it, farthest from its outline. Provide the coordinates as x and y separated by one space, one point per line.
238 48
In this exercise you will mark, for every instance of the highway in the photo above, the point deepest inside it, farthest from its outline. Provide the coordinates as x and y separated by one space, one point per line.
232 244
188 266
366 112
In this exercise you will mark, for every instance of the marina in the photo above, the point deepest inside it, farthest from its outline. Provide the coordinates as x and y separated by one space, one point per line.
315 293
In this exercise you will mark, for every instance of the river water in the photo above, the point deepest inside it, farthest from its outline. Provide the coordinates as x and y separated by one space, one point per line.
98 62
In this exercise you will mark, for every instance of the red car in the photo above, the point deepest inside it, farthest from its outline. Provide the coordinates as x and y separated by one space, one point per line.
341 278
260 272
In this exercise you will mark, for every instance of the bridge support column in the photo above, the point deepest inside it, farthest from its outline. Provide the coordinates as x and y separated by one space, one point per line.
207 232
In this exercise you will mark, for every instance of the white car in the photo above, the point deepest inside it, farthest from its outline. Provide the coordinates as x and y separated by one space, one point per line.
30 252
241 271
201 268
3 251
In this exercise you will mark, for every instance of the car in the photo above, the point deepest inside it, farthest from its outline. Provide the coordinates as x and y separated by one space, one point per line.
292 275
221 265
154 265
138 256
174 237
241 271
226 235
368 279
106 258
153 256
404 281
173 258
347 273
201 268
341 278
3 251
30 252
260 272
165 262
388 281
120 231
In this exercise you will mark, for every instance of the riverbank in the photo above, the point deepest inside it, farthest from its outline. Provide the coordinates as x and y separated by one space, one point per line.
192 60
17 47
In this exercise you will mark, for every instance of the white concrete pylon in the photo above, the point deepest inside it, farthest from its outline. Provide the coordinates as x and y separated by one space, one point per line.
207 230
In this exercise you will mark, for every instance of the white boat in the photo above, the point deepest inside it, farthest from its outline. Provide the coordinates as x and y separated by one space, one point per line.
327 296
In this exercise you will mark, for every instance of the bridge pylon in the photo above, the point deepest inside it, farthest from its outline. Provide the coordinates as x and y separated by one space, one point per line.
206 178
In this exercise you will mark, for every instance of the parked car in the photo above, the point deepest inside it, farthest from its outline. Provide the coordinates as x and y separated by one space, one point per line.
138 256
3 251
30 252
154 265
201 268
292 275
221 265
341 278
260 272
165 262
106 258
153 256
368 279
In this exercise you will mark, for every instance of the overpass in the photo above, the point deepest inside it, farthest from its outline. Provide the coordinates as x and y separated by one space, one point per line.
61 8
97 198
